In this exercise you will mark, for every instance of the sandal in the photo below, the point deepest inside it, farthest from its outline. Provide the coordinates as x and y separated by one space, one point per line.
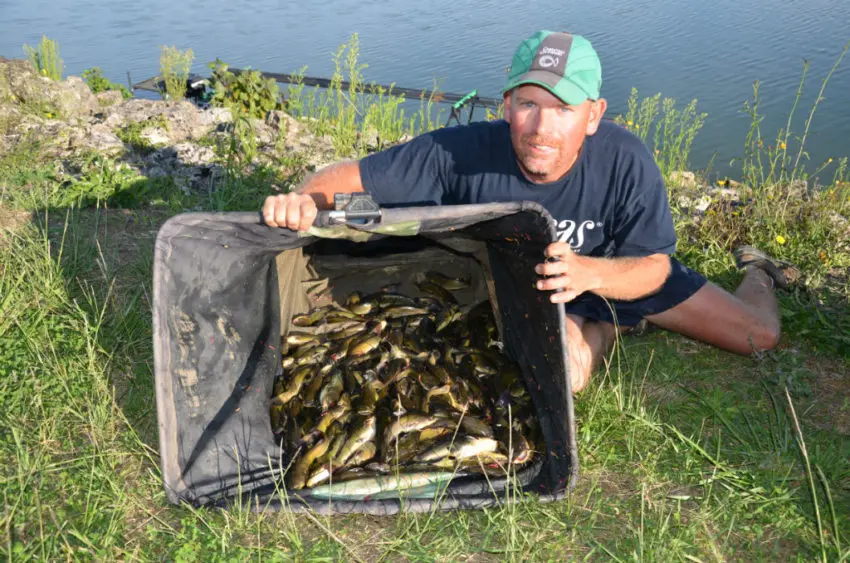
783 274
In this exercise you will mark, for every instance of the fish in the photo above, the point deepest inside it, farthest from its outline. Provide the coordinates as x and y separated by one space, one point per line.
363 432
447 282
385 383
401 311
359 489
364 345
332 391
299 338
298 478
443 296
294 385
362 308
311 318
407 423
461 447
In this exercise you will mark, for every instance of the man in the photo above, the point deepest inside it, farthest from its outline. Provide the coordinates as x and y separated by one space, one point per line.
612 265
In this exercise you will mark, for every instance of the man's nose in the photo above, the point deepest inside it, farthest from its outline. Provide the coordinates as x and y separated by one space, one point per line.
545 121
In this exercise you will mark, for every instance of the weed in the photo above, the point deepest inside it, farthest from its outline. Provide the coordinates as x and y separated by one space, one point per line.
132 133
360 117
174 67
45 58
672 136
98 83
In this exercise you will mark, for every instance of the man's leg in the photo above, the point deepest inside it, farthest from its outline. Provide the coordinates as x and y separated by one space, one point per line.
744 322
587 340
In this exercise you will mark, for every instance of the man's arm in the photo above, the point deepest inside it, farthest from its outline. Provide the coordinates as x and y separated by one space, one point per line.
411 172
341 177
297 210
621 278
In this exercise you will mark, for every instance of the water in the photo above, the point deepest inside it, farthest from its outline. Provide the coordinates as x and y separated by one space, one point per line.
711 51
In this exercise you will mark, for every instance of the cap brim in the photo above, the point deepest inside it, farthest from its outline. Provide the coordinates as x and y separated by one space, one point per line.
566 90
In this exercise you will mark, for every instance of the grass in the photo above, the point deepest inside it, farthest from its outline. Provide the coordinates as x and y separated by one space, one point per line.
687 453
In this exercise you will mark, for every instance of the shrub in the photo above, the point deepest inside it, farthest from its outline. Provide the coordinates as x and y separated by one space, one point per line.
246 93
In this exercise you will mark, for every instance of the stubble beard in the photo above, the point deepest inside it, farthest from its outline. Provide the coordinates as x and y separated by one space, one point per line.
538 169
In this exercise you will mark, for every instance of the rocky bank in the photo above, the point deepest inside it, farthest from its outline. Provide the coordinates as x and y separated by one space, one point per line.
154 137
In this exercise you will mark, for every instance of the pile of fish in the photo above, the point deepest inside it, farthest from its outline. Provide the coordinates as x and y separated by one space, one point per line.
389 384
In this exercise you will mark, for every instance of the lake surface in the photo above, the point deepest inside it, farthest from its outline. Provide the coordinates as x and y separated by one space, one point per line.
711 51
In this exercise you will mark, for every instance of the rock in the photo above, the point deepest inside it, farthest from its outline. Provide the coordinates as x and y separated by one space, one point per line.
265 134
840 223
109 98
191 166
70 99
10 122
213 117
280 120
194 155
80 100
730 194
156 172
156 136
183 118
684 202
683 178
798 189
370 139
96 137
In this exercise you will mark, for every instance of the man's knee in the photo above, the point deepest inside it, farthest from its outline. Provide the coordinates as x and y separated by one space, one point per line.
588 341
766 337
581 365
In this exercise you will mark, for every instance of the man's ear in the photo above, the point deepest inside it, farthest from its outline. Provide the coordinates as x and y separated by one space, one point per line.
507 98
597 110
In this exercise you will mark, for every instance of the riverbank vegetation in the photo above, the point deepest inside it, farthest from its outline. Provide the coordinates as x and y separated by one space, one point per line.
686 453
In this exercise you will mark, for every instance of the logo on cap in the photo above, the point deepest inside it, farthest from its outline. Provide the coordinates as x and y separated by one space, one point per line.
549 57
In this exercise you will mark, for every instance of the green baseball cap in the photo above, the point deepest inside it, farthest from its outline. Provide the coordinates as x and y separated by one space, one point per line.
563 63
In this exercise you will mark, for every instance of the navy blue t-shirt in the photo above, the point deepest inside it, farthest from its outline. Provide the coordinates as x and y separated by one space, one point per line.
611 203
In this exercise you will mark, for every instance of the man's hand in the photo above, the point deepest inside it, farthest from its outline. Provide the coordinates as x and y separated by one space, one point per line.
568 273
292 210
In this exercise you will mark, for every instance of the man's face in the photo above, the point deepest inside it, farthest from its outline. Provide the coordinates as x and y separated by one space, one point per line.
546 133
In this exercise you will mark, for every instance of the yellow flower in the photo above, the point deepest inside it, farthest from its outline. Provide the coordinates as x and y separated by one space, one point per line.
782 146
828 160
780 239
629 123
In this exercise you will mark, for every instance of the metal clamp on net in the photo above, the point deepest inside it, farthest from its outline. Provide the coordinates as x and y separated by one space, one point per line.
351 209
